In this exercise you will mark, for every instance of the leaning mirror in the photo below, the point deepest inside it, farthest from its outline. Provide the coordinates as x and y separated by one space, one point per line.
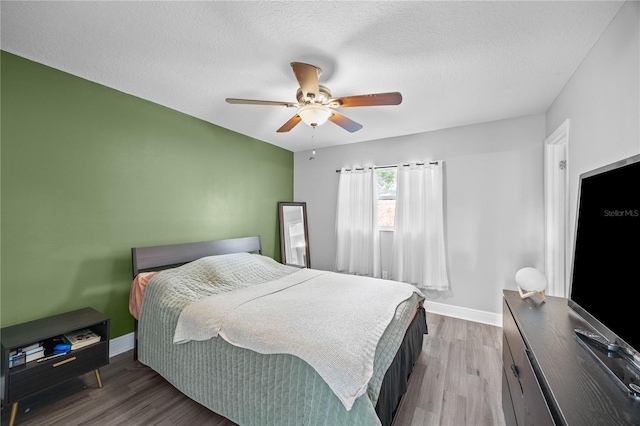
294 236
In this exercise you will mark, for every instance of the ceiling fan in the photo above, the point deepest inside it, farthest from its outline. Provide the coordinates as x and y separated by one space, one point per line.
316 104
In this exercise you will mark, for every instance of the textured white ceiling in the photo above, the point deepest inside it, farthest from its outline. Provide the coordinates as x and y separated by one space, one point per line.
455 63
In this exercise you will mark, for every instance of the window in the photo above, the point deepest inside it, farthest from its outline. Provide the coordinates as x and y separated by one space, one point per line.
387 197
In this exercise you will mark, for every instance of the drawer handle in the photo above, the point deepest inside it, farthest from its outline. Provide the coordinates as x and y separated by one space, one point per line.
514 370
68 360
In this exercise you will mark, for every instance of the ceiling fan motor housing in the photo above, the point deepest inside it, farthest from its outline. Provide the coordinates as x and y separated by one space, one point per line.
323 97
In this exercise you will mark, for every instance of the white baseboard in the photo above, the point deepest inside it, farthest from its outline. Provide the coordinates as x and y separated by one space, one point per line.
121 344
464 313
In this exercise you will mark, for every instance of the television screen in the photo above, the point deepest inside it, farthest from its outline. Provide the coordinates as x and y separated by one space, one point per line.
606 268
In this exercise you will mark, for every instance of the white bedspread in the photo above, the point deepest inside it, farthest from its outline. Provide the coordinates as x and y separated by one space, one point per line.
331 321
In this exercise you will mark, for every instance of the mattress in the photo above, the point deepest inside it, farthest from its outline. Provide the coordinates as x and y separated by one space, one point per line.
245 386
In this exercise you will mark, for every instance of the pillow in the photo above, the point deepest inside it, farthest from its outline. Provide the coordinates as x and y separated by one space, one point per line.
137 291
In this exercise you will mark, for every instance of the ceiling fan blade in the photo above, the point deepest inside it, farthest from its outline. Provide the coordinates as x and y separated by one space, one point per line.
307 75
344 122
391 98
290 124
255 102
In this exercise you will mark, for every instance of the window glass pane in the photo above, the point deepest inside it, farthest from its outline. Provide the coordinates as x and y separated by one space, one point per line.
386 196
387 182
386 212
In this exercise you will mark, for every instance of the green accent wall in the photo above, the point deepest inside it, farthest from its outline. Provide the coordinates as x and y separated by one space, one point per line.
87 172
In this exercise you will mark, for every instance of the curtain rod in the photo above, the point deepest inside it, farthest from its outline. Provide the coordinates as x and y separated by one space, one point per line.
387 167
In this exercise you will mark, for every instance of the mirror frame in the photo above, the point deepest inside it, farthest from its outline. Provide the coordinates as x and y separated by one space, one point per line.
283 247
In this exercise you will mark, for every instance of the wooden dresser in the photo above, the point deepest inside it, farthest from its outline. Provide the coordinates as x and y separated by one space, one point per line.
548 376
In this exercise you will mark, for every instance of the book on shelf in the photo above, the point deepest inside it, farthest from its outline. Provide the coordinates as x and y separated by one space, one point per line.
81 338
16 358
26 354
34 355
31 348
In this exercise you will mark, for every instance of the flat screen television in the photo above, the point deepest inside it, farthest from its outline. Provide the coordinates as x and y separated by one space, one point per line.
605 278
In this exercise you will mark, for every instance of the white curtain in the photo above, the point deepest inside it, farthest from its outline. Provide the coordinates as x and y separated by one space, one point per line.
418 255
357 235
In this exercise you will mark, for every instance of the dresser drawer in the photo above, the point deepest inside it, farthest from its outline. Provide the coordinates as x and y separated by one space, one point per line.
536 409
513 337
42 375
528 401
512 385
513 358
507 402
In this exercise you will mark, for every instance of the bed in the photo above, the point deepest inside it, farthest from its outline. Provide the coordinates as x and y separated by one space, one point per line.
244 385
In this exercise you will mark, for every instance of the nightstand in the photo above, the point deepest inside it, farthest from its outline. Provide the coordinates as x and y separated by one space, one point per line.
30 377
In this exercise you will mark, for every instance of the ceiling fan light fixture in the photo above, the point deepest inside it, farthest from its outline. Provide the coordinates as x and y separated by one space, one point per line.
314 114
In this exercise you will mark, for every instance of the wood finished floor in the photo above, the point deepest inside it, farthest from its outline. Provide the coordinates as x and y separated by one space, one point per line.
456 381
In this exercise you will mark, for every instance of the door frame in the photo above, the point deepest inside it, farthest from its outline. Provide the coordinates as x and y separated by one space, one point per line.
556 206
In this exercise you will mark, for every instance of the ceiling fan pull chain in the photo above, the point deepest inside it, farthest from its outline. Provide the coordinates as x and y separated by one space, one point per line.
313 150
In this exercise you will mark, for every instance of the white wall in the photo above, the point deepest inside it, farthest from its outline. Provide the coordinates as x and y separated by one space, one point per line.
493 200
602 100
493 171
